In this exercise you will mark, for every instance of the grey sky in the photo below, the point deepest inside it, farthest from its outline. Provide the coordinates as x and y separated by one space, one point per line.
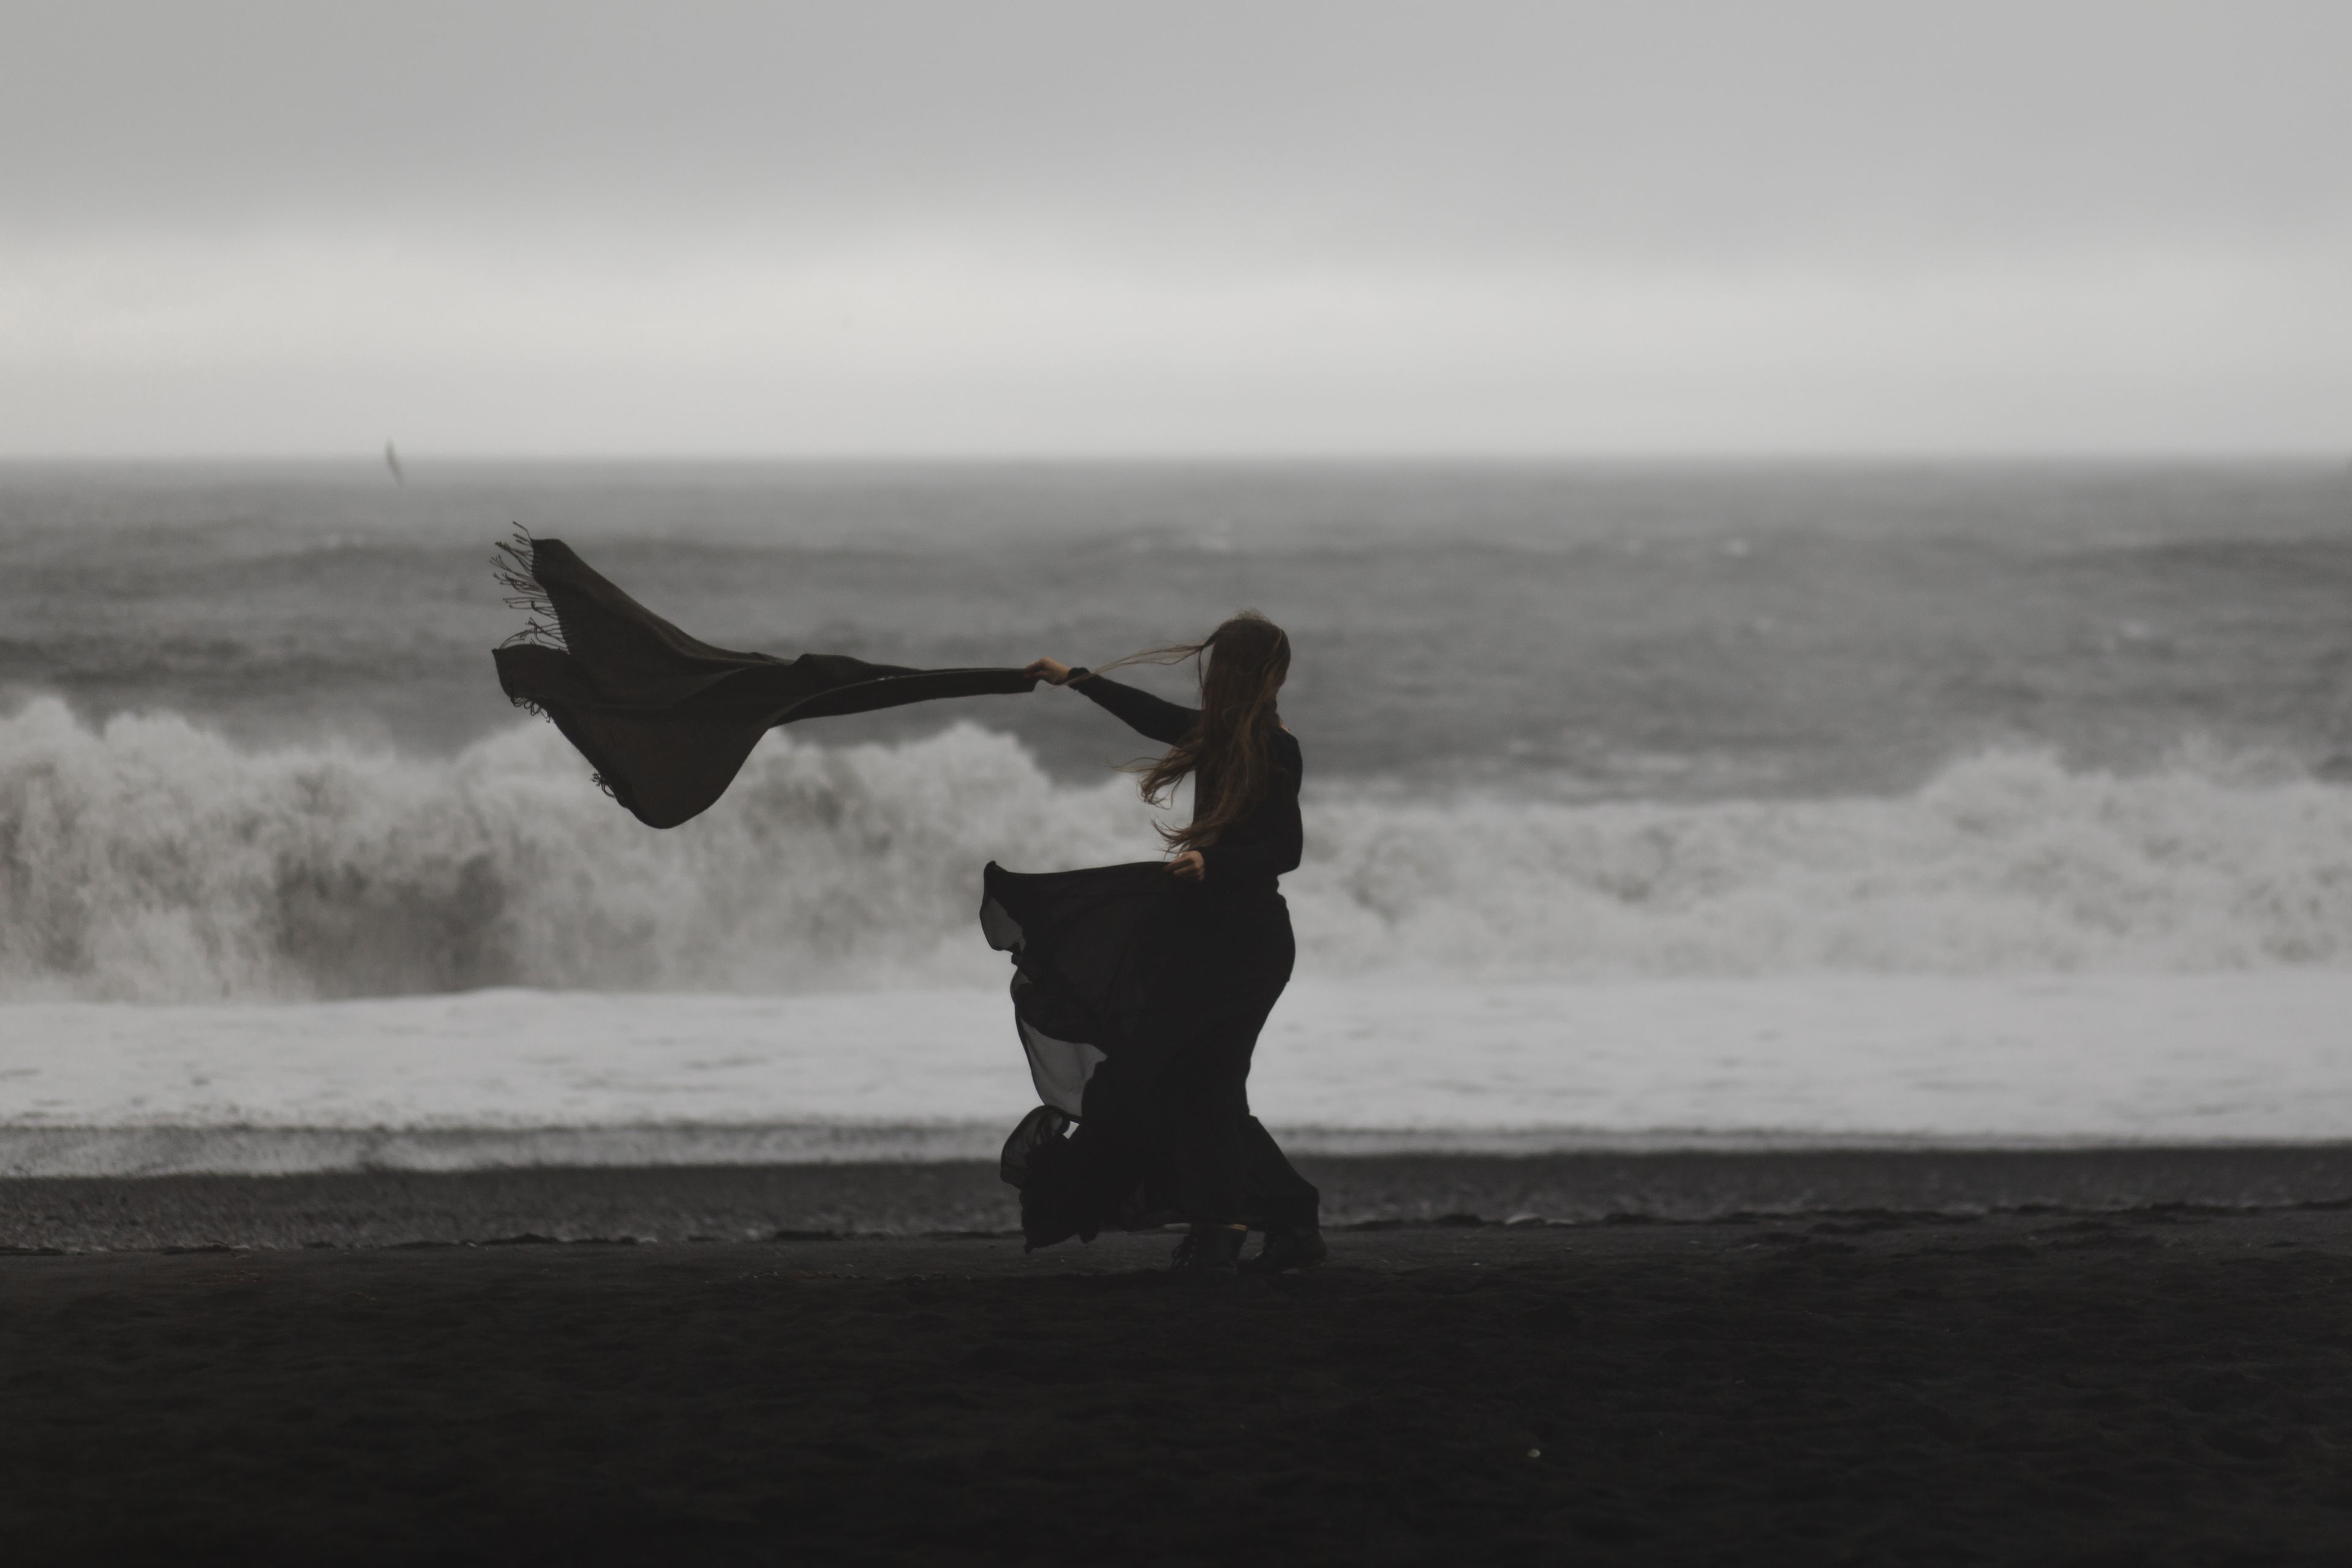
1108 227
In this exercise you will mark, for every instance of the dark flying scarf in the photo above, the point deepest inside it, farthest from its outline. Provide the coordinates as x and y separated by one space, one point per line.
666 719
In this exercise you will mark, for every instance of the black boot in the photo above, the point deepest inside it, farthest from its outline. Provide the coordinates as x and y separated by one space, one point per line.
1285 1249
1210 1251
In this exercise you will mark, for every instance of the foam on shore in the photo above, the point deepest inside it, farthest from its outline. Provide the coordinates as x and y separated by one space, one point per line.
519 1078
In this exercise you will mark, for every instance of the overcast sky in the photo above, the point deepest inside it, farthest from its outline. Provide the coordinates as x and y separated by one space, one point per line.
2065 225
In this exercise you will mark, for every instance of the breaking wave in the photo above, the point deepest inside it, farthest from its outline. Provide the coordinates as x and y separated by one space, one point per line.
149 860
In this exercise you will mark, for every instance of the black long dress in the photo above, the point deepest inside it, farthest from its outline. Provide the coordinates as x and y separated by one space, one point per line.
1140 997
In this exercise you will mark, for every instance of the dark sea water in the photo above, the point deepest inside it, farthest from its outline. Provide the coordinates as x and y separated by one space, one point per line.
1568 719
1679 632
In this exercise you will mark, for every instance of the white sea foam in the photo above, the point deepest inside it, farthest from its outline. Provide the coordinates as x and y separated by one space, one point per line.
506 1078
149 859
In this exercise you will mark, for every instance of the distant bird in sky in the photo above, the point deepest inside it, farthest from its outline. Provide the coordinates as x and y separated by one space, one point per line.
392 461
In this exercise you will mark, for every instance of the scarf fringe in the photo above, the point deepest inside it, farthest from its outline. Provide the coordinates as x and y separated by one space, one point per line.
511 564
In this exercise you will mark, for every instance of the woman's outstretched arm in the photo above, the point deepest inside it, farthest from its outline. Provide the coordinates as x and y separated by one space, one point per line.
1151 717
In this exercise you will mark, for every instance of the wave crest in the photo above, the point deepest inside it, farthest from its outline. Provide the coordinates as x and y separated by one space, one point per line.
149 860
2004 862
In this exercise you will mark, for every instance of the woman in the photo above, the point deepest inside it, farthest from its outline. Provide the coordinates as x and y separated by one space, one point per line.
1139 990
1154 979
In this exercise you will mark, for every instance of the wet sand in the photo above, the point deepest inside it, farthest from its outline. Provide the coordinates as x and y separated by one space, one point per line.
747 1203
2167 1385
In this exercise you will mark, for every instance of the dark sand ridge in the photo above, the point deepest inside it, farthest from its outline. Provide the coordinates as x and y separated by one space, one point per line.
681 1204
2145 1387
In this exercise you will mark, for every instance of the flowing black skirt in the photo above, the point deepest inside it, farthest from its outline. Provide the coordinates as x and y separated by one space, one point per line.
1138 997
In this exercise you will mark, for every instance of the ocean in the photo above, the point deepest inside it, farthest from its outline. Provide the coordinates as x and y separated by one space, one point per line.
1671 803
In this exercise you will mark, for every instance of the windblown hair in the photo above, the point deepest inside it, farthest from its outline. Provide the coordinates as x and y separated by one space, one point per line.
1231 755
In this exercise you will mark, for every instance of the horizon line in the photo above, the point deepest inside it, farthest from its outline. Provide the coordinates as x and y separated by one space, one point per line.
373 456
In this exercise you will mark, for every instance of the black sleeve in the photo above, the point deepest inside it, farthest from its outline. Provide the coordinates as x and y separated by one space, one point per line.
1282 838
1150 717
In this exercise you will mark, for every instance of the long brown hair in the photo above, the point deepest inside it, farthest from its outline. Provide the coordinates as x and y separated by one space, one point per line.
1231 754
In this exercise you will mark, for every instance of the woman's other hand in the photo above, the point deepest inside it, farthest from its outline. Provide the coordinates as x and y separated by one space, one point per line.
1191 865
1051 670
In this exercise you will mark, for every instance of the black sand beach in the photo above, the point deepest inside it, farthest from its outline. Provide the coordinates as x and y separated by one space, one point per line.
2169 1382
